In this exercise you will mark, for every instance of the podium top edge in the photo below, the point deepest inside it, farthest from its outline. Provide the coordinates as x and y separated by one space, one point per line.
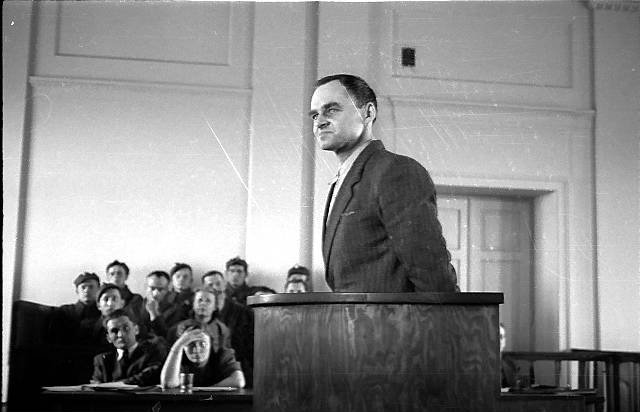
330 298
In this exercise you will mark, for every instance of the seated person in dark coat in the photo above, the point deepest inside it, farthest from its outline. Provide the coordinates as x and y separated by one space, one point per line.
181 282
204 355
238 318
159 311
73 323
118 274
299 273
130 361
109 300
295 286
237 287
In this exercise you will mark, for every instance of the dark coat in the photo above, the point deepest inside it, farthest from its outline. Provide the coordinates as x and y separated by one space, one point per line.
383 234
143 367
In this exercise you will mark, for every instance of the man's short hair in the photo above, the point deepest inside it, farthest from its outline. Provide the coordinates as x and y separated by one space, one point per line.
86 276
117 263
118 313
357 88
108 286
211 273
160 274
179 266
298 269
237 261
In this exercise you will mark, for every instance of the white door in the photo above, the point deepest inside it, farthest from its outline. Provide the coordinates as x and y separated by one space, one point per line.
490 240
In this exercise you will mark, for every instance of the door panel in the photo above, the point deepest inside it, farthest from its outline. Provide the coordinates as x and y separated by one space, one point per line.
490 241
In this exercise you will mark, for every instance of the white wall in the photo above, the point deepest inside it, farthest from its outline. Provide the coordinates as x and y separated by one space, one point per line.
617 184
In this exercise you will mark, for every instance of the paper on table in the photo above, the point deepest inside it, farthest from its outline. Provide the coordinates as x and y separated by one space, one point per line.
214 389
70 388
111 385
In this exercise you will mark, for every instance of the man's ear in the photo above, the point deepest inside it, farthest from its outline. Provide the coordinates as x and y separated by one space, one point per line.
370 113
136 330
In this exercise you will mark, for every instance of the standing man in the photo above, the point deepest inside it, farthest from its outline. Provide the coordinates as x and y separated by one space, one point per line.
381 232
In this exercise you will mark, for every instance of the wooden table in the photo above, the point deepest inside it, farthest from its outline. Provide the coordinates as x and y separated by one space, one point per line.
149 400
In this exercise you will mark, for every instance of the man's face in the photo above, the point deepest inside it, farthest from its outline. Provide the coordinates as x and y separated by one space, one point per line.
296 287
215 284
236 275
204 303
503 339
110 301
87 291
337 123
157 287
182 279
198 351
117 275
121 332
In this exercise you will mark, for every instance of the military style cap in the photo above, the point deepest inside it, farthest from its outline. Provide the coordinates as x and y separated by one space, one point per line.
302 270
83 277
105 287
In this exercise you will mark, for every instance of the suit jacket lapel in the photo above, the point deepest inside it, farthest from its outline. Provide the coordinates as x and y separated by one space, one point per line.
344 196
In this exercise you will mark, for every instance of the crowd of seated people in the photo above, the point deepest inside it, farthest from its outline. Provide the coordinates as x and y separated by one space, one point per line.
142 338
147 338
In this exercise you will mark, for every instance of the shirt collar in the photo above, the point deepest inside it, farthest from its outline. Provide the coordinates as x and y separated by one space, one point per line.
349 161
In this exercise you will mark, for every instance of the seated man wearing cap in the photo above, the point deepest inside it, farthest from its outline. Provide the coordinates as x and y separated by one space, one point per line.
109 300
238 318
118 274
295 286
181 282
299 273
237 287
205 355
129 361
73 323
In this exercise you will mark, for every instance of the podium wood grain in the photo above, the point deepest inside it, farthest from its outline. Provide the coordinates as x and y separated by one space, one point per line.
376 357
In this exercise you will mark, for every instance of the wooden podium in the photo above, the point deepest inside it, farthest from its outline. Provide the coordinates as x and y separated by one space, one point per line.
376 352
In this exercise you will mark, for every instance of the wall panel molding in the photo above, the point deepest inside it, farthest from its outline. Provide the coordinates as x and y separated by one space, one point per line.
174 42
37 81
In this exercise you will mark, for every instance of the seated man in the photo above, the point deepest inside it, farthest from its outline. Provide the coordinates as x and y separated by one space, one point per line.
181 281
204 355
73 323
299 273
118 274
109 301
295 286
130 361
159 311
237 288
238 318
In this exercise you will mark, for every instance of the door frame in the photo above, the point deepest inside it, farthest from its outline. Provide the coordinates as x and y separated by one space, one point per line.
550 268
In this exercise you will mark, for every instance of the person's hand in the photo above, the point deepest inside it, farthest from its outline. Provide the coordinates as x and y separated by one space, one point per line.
153 307
192 335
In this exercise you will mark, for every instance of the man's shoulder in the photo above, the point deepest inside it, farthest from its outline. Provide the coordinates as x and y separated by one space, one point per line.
105 356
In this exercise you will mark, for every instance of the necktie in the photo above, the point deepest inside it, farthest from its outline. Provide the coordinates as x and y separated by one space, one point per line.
124 363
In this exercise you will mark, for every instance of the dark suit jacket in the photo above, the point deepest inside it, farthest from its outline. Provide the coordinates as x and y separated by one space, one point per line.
143 367
383 234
